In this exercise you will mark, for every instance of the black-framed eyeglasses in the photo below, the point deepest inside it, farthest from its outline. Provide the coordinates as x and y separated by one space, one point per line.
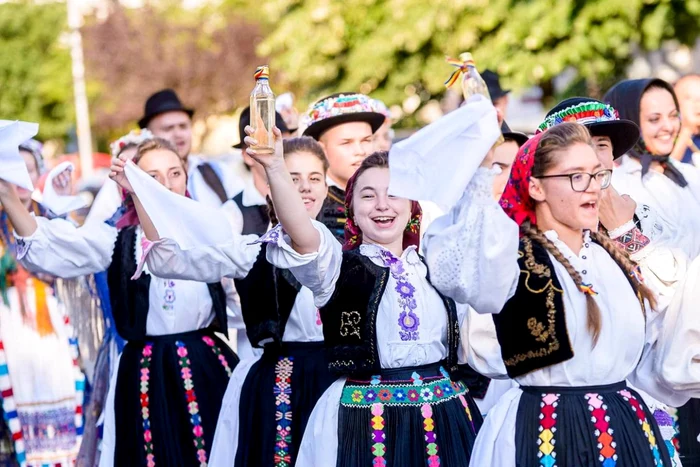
580 181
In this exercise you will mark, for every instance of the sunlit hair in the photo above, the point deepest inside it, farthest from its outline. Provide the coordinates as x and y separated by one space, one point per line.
153 145
556 139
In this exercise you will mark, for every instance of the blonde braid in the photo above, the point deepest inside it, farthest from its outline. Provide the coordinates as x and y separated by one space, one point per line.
628 266
593 312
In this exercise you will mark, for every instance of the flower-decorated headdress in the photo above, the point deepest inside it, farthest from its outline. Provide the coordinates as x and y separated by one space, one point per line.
600 119
133 138
341 108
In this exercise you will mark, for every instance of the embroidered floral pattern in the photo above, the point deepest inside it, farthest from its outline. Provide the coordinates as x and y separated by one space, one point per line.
192 405
378 435
393 394
603 431
408 321
431 447
145 402
548 421
217 351
169 295
283 415
644 423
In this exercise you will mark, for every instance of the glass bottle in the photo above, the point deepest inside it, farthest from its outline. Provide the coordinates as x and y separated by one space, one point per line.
473 83
262 112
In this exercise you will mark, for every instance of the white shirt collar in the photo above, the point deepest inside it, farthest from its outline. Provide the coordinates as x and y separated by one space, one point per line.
373 251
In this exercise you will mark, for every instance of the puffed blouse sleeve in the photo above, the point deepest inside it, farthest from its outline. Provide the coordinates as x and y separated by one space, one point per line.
472 251
673 359
203 263
61 249
318 271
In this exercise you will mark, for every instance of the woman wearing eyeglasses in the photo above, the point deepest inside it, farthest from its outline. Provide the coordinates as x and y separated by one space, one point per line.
573 319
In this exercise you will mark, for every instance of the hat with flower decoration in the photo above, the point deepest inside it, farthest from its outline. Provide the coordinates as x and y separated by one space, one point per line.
341 108
600 119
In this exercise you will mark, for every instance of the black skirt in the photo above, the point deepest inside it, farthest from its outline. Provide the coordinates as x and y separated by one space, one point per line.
688 433
168 396
587 427
406 417
277 398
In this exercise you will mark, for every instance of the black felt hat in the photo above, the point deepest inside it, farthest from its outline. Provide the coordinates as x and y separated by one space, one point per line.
520 138
161 102
493 83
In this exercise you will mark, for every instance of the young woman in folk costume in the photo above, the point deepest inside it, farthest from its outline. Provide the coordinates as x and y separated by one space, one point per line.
41 383
108 200
164 400
390 336
573 319
269 398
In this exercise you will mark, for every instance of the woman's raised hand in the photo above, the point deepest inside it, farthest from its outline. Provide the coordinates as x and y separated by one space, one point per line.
117 173
266 159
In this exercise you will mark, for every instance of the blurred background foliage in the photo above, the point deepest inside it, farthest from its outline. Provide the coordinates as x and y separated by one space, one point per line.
392 49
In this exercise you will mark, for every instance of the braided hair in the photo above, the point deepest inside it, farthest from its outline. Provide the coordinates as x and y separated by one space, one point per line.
556 139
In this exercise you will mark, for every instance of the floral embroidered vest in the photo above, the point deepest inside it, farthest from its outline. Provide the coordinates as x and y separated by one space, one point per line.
350 318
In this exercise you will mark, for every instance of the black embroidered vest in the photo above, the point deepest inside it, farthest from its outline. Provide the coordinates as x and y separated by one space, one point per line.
333 214
267 298
350 318
531 328
256 219
129 298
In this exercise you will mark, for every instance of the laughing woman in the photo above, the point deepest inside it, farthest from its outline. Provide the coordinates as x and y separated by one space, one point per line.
647 172
164 402
390 336
572 318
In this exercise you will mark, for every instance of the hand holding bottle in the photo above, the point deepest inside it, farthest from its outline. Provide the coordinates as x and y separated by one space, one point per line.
266 158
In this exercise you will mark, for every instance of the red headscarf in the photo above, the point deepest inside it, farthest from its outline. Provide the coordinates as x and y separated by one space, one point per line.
516 201
353 234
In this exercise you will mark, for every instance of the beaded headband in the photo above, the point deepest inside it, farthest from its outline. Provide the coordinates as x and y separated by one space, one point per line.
584 113
335 106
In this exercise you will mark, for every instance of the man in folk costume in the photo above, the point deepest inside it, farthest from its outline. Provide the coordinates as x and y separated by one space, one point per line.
344 124
166 117
40 380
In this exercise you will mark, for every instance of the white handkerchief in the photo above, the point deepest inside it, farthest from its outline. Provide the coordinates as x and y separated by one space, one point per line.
437 163
12 166
185 221
59 204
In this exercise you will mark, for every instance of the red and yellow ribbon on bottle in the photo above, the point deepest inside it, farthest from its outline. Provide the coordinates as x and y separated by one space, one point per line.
461 65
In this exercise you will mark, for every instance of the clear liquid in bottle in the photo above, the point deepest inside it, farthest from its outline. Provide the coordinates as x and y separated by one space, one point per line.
262 112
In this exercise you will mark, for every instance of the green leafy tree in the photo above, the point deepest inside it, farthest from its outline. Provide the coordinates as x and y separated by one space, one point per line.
396 48
35 67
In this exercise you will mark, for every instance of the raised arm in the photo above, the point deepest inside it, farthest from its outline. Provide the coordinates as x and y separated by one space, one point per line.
57 247
285 196
472 251
193 241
